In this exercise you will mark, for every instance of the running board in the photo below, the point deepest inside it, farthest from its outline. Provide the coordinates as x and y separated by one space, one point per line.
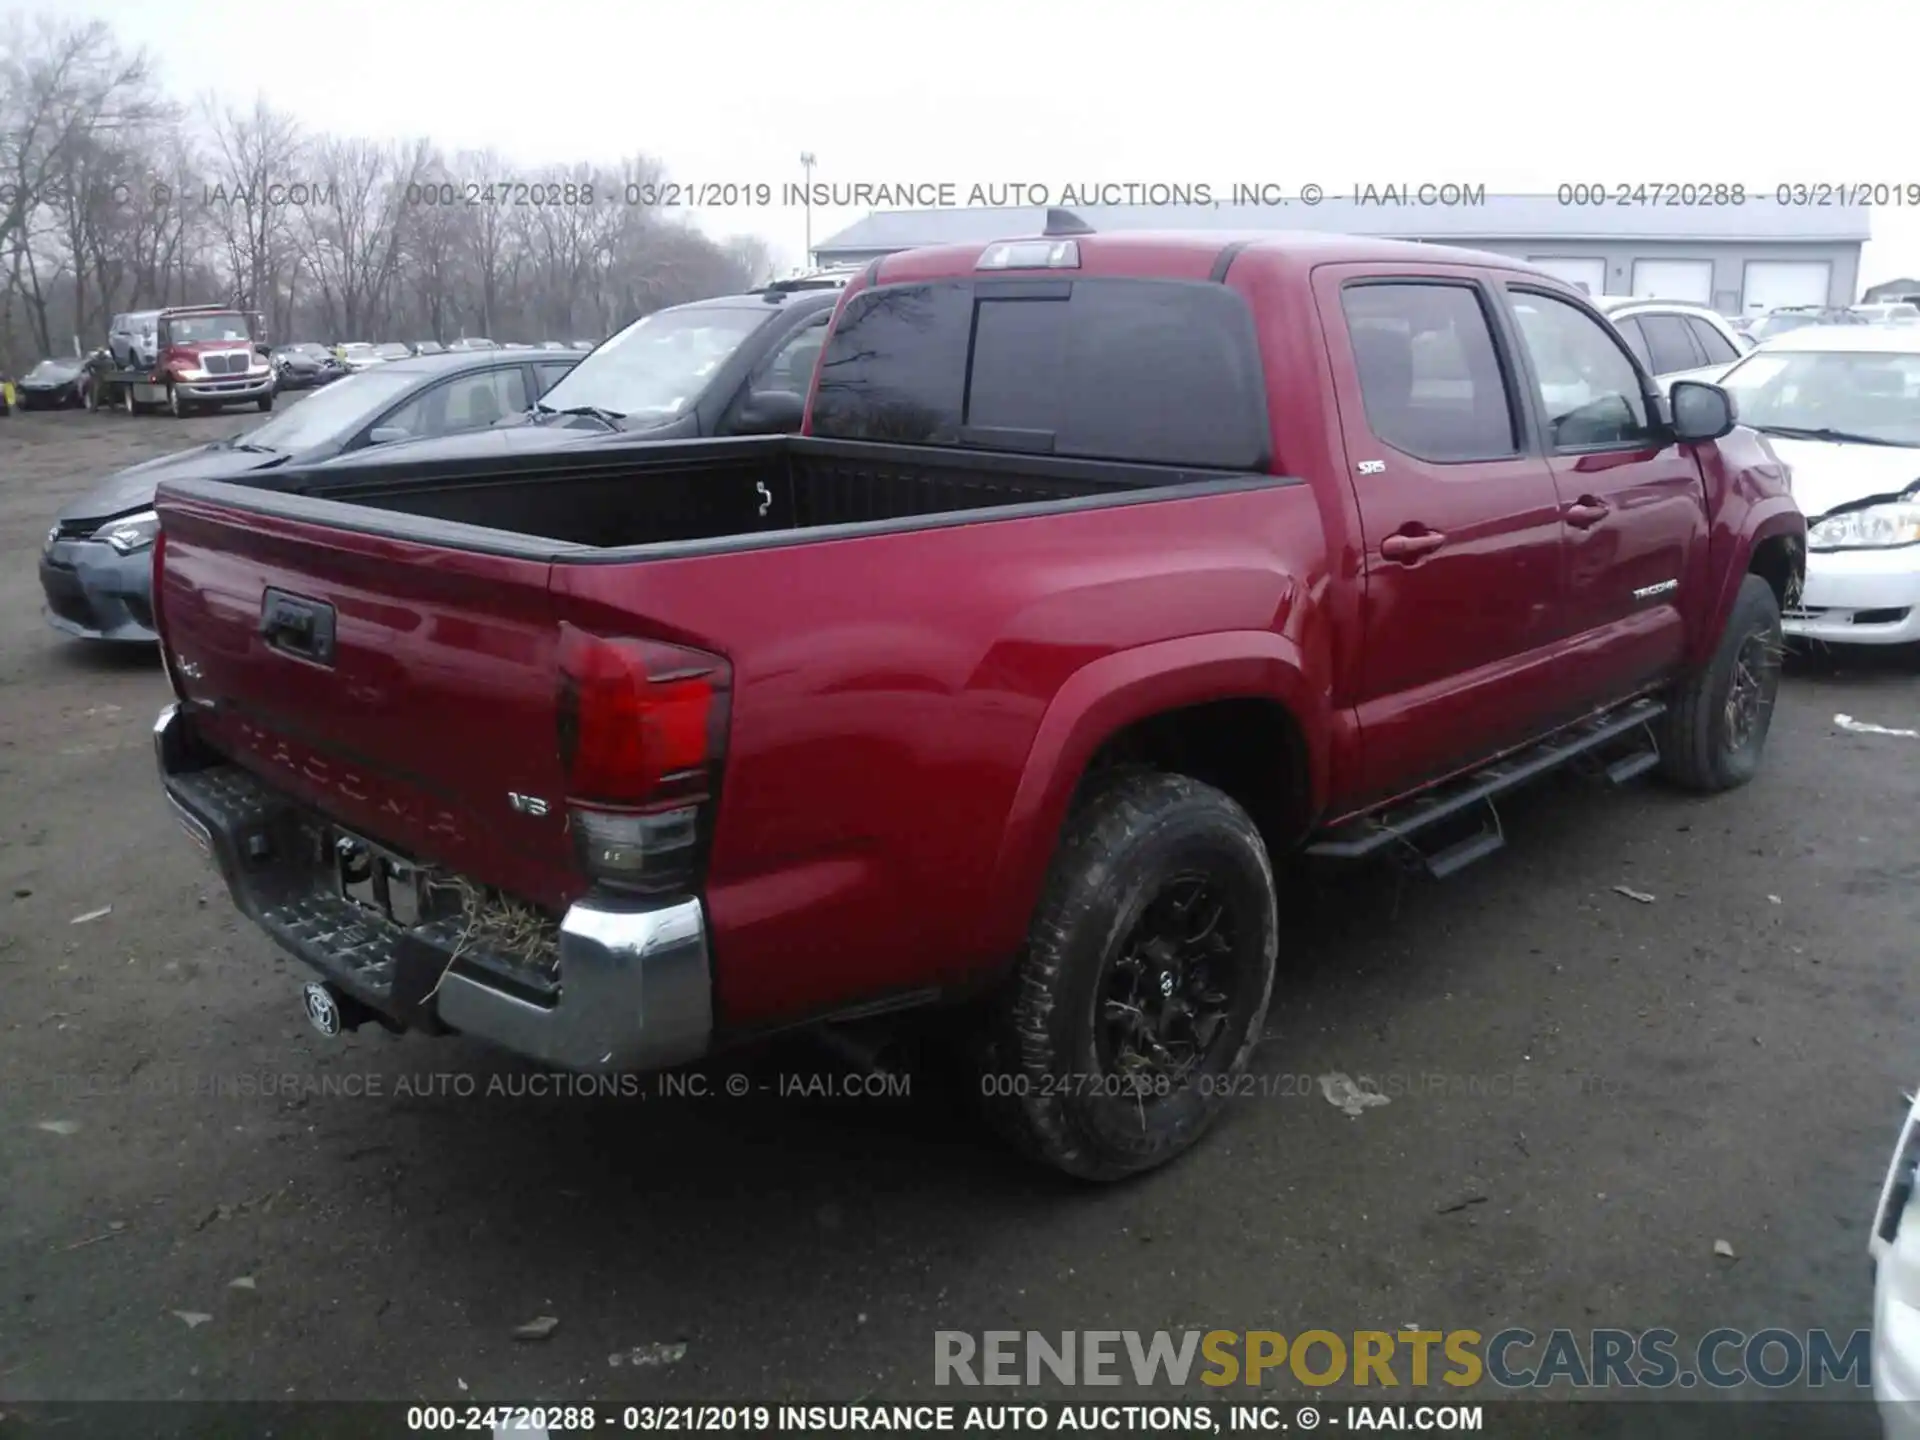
1369 835
1462 853
1630 767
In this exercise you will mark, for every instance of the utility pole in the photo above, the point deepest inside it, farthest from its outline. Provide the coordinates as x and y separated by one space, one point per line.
807 164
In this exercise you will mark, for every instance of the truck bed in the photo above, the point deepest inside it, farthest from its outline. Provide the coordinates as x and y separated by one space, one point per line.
886 612
701 495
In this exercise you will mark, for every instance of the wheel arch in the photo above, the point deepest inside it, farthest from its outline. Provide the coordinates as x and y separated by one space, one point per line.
1158 703
1774 546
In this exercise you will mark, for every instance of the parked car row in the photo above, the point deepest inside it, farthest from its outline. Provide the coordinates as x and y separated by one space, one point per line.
96 567
360 353
137 370
736 365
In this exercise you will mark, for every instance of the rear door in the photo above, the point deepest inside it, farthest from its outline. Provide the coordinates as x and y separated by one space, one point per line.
401 687
1633 504
1461 518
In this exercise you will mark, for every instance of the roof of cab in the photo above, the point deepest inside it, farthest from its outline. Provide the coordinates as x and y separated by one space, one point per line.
1195 255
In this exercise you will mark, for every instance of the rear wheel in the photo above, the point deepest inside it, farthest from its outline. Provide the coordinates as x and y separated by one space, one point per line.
1144 983
1715 730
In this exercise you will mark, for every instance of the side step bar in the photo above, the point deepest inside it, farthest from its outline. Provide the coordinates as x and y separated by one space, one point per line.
1369 835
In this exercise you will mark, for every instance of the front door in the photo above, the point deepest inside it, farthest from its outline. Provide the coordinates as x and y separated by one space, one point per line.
1461 521
1632 500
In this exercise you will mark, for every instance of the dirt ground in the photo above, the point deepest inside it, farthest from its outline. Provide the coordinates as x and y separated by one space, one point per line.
1586 1093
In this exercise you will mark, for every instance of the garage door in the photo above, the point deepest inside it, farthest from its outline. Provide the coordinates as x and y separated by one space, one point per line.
1690 280
1773 283
1589 275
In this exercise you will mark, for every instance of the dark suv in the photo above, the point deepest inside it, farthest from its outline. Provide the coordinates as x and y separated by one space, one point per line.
732 365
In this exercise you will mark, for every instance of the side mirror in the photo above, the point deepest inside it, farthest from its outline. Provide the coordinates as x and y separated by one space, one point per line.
1700 411
771 412
388 434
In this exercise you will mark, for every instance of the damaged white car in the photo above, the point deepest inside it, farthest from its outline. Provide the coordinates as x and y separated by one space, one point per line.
1841 405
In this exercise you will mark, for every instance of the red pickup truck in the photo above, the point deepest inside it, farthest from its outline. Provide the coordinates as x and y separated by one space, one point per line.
1107 570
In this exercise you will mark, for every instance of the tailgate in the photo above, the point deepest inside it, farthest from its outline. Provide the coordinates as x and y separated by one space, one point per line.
404 689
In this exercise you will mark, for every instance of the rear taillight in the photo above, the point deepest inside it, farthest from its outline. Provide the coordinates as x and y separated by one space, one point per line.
642 730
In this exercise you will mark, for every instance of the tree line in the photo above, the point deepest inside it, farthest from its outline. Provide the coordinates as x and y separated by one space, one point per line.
116 196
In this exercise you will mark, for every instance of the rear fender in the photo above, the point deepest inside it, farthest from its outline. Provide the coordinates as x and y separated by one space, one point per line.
1105 697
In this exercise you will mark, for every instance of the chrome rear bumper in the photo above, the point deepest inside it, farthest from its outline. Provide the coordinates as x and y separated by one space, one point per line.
632 988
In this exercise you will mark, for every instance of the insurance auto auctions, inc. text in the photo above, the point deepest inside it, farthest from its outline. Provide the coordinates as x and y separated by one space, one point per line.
947 195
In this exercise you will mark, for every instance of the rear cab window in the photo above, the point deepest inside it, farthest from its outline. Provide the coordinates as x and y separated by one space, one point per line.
1101 368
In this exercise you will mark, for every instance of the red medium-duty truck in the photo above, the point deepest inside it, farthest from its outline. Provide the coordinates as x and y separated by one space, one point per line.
202 357
1107 570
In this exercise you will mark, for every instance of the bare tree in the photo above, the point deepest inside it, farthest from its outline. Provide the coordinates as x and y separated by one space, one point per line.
110 200
256 157
66 91
355 233
752 255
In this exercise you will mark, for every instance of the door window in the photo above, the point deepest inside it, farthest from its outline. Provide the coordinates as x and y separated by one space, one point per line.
467 403
1712 343
1429 374
1588 389
1636 339
788 369
791 367
549 374
1671 344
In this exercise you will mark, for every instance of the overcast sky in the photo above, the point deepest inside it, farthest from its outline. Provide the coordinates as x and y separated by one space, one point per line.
1521 97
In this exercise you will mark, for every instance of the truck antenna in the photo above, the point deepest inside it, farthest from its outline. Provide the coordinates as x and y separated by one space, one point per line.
1065 222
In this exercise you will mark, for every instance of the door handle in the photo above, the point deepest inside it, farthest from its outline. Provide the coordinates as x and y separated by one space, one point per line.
1586 512
1411 547
297 626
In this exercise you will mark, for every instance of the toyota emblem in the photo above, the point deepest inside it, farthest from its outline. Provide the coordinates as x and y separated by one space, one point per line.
323 1011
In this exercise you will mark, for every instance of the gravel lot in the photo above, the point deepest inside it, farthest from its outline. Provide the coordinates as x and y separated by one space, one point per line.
1587 1092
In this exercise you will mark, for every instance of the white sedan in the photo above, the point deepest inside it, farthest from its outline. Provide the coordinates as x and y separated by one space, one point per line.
1841 405
1895 1247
